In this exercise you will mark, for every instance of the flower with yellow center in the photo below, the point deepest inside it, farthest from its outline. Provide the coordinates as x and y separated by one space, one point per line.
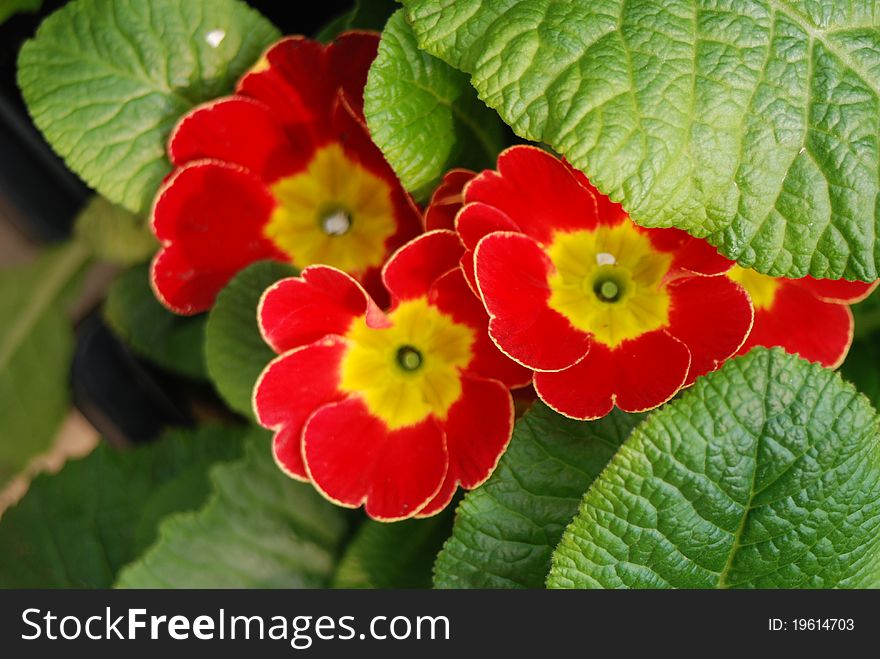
609 282
335 212
411 369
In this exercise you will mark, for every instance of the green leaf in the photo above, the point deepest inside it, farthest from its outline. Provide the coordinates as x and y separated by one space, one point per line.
173 342
106 80
9 8
766 474
398 555
365 15
234 349
260 529
424 114
506 530
752 123
77 528
36 346
114 235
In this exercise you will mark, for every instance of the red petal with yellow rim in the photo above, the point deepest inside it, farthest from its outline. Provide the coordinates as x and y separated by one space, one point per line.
512 272
352 458
242 131
290 389
836 290
478 430
803 324
473 223
537 192
452 295
299 310
447 200
712 316
413 269
210 218
638 375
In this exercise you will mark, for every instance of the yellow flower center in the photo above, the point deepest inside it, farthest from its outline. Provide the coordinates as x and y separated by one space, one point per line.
411 369
335 212
761 288
609 282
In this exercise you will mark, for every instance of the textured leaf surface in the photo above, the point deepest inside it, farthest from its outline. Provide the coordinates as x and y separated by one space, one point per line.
173 342
751 122
234 349
765 475
106 80
506 530
36 346
398 555
424 114
77 528
260 529
114 235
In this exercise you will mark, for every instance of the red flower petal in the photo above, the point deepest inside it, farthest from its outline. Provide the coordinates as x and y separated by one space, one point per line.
836 290
689 253
478 430
804 325
537 191
352 458
349 60
238 130
512 273
299 310
638 375
413 269
210 217
712 316
447 200
475 222
290 389
452 296
293 81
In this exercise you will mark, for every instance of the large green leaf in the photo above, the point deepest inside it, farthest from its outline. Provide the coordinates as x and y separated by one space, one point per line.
424 114
170 341
260 529
77 528
106 80
750 122
36 346
398 555
765 475
234 349
506 530
114 235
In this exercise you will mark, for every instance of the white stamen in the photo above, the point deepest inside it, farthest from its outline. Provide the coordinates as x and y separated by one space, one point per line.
604 258
336 224
215 38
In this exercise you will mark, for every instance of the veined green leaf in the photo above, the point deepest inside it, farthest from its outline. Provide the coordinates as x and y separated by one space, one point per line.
234 349
106 80
77 528
260 529
507 529
175 343
766 474
753 123
36 346
424 114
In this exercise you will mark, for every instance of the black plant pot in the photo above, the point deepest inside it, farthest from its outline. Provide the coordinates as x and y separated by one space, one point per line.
124 397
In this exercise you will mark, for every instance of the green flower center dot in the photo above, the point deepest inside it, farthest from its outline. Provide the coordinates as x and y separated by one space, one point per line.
607 290
409 358
336 222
